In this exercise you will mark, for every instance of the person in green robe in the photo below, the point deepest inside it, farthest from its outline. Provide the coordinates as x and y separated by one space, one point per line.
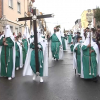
25 48
17 63
69 38
72 47
1 43
77 58
63 41
40 56
89 59
7 54
55 44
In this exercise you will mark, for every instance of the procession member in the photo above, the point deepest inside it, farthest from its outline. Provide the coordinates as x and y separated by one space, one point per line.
77 55
42 34
63 41
71 47
89 67
82 34
25 42
17 63
94 34
69 37
8 55
31 35
1 43
98 42
98 37
85 34
30 66
20 44
56 44
75 38
66 42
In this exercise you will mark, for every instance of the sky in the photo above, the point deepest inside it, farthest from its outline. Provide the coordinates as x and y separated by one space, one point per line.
66 11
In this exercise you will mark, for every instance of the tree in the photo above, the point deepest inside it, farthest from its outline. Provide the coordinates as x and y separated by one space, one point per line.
97 15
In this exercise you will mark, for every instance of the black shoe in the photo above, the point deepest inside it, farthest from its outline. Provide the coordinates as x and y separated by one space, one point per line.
56 59
95 80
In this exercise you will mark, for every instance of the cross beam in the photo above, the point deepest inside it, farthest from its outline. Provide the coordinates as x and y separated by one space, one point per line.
37 17
34 18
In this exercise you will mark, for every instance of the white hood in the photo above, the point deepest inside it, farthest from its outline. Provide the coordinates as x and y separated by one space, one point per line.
32 33
86 42
26 33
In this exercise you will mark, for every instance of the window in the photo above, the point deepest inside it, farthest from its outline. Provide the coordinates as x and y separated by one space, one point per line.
11 27
11 3
18 7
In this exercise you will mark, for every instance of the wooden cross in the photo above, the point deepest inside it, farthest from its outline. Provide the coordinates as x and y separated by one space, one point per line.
34 18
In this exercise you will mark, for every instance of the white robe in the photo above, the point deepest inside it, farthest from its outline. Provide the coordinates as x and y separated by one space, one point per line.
21 53
74 58
0 54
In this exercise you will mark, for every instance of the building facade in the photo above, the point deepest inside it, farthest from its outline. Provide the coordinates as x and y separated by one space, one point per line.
0 12
84 21
13 9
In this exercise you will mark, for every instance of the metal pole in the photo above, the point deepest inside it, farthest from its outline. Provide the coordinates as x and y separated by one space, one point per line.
90 50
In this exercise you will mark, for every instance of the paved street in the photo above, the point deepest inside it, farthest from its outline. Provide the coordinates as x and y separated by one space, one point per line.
61 84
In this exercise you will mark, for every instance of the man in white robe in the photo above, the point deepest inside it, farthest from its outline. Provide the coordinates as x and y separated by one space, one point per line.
27 68
20 47
8 55
89 68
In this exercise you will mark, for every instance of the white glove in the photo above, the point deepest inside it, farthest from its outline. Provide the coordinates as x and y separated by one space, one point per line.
60 46
39 46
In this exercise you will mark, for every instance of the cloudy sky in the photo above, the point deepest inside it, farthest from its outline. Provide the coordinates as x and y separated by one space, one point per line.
66 11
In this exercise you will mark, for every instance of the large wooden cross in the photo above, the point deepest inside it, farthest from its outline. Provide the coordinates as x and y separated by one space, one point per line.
34 18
